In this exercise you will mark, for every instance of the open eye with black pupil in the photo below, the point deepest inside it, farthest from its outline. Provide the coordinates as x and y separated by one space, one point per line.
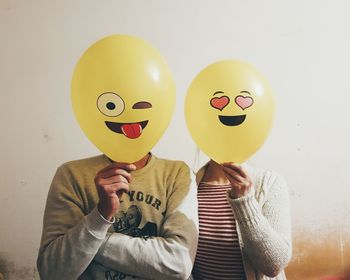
110 106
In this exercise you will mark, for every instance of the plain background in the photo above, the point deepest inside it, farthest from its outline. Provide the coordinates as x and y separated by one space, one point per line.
301 46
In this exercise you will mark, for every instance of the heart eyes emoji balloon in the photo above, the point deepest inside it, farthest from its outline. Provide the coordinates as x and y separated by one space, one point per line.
229 110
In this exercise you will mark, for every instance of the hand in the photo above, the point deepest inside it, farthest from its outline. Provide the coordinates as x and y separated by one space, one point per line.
111 182
239 179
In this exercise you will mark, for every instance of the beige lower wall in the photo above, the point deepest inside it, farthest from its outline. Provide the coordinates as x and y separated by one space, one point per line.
319 254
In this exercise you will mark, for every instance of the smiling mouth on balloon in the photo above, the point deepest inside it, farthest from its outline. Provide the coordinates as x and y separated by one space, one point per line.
130 130
232 120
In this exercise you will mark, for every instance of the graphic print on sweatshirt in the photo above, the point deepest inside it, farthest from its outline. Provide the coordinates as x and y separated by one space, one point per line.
128 222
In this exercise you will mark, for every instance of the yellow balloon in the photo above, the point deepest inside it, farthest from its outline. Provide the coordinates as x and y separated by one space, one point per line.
123 96
229 110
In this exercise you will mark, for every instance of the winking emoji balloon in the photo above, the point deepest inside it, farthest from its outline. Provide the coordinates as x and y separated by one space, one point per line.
123 96
229 109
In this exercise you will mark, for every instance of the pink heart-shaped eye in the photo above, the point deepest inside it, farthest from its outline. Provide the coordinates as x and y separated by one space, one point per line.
244 102
219 102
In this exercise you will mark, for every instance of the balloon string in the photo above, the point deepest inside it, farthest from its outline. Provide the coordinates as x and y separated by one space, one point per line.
196 160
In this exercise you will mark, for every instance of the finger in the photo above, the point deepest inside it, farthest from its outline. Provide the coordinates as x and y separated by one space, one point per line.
236 168
115 172
126 166
130 167
101 182
230 173
111 166
116 188
115 165
112 180
122 188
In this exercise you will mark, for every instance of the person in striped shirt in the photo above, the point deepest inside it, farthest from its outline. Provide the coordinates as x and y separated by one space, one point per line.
244 223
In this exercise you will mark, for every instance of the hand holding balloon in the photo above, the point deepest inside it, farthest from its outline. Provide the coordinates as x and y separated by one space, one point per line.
239 179
111 182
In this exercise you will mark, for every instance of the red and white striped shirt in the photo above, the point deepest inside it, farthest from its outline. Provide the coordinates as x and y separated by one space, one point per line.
218 255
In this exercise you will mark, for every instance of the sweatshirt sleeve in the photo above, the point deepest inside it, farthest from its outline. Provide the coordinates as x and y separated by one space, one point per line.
168 256
266 231
70 239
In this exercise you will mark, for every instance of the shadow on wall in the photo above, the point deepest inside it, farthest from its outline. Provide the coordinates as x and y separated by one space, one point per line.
9 271
320 255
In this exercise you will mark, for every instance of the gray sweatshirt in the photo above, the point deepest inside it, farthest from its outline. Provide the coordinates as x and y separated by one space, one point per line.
154 234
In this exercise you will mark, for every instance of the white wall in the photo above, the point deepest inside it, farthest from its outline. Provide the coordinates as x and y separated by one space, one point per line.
301 46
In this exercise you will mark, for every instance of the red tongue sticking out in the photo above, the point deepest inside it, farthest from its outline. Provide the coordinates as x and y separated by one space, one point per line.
132 130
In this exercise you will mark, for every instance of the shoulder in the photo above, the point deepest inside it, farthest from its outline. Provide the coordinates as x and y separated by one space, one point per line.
263 175
86 161
77 175
174 166
200 173
85 165
174 172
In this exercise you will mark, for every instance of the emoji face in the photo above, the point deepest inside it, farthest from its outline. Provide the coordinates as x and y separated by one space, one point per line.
112 105
229 110
221 102
123 95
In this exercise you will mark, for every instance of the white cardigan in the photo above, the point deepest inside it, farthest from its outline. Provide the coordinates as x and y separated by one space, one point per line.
263 224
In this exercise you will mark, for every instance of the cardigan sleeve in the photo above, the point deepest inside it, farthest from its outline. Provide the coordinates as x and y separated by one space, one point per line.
265 230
